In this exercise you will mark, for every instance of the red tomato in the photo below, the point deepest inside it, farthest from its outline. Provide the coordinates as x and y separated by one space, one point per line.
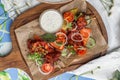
69 16
47 67
82 52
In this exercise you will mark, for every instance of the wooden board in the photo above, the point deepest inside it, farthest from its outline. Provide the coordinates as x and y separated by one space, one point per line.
15 58
58 2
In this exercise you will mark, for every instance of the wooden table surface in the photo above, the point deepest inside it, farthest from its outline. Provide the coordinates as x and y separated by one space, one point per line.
15 59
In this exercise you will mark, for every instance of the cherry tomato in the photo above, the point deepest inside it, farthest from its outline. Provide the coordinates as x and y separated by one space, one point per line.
47 67
82 52
68 16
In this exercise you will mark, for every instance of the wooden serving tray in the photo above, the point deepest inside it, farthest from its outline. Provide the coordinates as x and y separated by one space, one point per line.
59 2
15 59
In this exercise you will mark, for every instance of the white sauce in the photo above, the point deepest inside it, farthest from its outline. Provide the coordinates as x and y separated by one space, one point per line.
51 21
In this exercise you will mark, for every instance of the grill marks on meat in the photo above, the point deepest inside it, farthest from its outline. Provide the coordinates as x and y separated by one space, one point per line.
52 57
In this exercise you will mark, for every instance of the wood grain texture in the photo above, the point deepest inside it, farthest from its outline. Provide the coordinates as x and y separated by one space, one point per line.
15 59
59 2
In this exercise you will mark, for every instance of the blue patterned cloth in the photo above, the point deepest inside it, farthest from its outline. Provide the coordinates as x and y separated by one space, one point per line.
5 23
69 76
14 74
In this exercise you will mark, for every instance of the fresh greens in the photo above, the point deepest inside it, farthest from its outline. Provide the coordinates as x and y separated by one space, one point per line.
69 46
75 17
69 25
73 51
59 43
116 75
64 52
36 57
48 37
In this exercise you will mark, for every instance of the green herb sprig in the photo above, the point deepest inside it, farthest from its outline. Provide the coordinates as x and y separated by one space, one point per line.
48 37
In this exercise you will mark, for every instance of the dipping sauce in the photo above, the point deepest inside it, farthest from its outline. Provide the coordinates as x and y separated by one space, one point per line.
51 21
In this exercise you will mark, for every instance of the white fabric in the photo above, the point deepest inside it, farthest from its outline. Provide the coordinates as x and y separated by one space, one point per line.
112 23
108 63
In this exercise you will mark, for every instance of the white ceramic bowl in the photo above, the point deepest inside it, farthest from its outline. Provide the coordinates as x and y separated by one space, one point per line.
51 20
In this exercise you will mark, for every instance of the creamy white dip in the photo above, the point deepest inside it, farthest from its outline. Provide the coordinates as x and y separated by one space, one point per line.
51 20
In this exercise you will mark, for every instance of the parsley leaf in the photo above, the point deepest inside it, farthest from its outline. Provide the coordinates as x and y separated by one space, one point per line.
48 37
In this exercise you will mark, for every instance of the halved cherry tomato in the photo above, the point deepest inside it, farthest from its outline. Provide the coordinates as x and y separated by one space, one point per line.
82 52
47 67
69 16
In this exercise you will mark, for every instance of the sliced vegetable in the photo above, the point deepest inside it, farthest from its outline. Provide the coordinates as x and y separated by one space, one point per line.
59 43
64 52
74 11
73 51
75 27
57 46
62 36
48 37
69 25
91 43
36 57
88 19
64 26
81 51
81 14
68 16
39 62
76 37
47 67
